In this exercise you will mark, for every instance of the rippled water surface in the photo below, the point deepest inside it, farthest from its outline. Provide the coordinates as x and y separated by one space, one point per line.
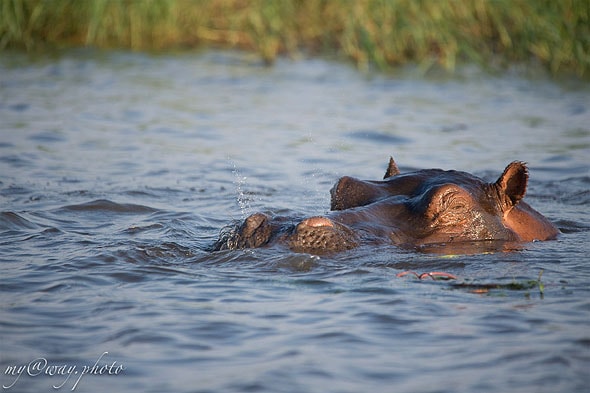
118 170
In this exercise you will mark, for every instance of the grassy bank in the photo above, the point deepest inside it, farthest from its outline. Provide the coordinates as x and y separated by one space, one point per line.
384 33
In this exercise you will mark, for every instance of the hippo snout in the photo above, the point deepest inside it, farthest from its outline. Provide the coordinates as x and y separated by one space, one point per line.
321 235
255 231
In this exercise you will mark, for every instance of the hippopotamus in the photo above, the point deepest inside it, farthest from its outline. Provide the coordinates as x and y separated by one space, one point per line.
415 209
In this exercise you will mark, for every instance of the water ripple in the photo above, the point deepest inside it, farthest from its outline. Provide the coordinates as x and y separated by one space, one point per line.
103 205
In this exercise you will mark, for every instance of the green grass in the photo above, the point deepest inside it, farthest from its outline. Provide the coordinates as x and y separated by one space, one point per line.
380 33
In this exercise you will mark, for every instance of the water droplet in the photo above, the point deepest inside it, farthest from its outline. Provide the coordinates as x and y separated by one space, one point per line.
241 197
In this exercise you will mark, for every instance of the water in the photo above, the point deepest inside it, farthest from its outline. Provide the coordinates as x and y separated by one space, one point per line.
118 170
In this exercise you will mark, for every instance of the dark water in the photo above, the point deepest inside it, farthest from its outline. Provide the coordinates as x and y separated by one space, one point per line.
118 170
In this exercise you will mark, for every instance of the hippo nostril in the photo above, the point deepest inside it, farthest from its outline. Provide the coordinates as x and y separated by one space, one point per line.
254 221
317 222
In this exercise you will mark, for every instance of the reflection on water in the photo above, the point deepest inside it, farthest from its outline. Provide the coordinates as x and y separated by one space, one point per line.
118 170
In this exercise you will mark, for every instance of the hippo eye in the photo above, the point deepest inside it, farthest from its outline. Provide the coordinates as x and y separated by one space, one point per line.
448 203
454 203
457 204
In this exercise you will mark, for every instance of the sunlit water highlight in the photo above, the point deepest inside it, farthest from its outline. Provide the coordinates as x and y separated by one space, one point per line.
118 171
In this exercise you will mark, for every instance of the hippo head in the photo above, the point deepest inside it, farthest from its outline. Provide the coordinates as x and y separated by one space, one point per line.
436 206
419 208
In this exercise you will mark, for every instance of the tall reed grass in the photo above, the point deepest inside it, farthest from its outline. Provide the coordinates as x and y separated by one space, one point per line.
383 33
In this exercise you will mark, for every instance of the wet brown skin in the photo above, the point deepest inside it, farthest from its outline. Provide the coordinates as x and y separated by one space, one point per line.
416 209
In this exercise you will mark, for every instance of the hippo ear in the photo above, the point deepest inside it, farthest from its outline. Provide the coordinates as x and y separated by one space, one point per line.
392 169
512 184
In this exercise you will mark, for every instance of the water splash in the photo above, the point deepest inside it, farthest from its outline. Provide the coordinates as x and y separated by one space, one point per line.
241 197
